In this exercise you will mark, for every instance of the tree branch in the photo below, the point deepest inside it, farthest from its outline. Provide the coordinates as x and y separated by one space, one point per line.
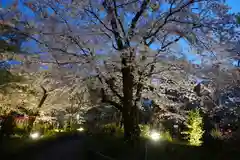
127 3
115 30
43 97
101 78
105 99
95 15
171 13
136 18
119 21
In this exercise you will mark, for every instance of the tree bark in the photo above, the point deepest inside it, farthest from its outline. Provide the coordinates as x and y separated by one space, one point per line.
43 97
130 111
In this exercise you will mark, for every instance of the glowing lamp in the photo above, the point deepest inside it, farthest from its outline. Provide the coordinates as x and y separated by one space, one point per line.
80 129
155 136
34 135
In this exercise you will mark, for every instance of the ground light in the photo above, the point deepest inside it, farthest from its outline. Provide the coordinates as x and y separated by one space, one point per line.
155 136
35 135
80 129
58 130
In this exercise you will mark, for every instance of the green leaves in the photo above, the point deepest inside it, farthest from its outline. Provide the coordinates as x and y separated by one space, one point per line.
195 131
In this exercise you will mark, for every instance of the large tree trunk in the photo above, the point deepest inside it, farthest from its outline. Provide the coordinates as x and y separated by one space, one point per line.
130 111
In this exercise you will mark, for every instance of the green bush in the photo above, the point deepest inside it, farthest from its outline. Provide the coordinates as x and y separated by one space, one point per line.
49 133
195 128
20 132
71 125
145 130
22 125
20 129
217 134
167 136
113 129
39 126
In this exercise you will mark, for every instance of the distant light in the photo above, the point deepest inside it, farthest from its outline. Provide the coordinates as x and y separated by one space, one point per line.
80 129
35 135
58 130
155 135
78 116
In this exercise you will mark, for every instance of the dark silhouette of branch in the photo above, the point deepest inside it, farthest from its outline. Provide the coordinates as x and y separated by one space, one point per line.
43 97
136 18
166 20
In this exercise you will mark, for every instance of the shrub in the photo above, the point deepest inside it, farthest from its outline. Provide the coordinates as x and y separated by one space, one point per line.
39 126
20 132
145 130
195 128
166 136
217 134
49 133
113 129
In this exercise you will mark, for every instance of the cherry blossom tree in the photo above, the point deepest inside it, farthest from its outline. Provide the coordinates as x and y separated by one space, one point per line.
113 41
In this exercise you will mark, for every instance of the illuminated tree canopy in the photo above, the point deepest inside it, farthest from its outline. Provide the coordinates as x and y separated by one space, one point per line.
130 49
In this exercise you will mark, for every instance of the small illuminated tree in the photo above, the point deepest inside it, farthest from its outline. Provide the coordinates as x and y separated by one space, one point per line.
195 128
